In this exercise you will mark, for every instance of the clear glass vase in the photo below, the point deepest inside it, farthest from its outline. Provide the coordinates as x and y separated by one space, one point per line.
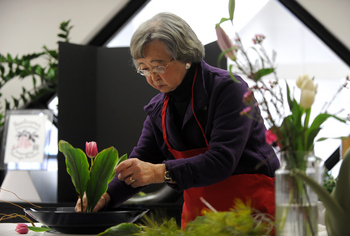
296 203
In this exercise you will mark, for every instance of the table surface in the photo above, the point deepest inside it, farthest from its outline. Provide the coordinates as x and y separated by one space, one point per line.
8 229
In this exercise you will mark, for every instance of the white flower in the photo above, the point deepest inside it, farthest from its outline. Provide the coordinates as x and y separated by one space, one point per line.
308 91
301 79
307 98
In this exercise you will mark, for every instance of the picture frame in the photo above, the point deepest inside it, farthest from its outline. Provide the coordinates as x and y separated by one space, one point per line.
26 139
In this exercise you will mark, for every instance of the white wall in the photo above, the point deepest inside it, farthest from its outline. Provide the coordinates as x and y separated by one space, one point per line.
27 25
334 15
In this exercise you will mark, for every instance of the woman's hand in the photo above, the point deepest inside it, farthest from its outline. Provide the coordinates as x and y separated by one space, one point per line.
103 202
139 173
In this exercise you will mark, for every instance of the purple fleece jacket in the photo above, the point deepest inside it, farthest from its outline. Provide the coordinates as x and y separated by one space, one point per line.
236 143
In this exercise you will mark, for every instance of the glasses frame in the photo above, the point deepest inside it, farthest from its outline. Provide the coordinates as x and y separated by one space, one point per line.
147 73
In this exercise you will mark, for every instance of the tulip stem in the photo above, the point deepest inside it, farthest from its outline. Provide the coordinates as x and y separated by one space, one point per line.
81 204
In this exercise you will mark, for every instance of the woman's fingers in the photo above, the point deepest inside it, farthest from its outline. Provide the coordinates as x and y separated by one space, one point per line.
78 205
103 202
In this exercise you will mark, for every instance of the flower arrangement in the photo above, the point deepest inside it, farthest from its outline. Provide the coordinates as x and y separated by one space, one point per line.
288 129
90 179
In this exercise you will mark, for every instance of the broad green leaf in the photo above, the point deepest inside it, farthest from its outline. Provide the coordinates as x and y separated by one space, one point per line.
231 8
100 172
77 166
39 229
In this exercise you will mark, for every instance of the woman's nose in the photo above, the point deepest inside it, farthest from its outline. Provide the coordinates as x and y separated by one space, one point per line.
154 76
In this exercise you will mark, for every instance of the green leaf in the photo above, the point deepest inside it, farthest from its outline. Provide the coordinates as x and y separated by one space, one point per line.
318 121
15 101
262 72
123 229
311 134
223 20
51 73
9 58
39 229
100 173
315 127
289 97
120 160
77 166
231 8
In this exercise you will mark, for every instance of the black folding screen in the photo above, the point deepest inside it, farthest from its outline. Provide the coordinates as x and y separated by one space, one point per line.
101 98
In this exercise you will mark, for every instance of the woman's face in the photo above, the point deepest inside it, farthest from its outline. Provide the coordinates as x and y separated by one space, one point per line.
156 55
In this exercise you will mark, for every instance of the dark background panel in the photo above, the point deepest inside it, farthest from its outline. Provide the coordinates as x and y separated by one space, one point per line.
77 105
121 96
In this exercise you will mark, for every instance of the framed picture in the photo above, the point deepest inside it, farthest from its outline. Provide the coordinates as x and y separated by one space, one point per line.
26 138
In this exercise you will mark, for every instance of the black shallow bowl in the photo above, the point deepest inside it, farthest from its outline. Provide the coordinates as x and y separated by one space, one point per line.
66 220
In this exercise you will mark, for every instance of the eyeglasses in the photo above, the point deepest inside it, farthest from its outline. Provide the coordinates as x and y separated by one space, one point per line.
157 69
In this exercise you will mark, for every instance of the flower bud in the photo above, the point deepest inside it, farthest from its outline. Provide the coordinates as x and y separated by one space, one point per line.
301 79
307 98
308 91
225 42
21 228
91 149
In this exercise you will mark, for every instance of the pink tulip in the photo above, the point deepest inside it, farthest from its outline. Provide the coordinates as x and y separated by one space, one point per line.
91 149
21 228
225 42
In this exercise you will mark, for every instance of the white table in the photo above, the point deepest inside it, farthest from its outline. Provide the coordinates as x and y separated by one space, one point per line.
8 229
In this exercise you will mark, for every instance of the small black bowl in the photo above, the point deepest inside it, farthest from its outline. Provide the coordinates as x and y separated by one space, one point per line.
66 220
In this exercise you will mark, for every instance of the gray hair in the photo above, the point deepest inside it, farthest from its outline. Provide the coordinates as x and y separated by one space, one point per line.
180 40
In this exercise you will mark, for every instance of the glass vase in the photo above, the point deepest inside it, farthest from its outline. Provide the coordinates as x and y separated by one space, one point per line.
296 203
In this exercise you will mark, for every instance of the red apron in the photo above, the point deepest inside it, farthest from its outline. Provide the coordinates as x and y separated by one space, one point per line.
257 188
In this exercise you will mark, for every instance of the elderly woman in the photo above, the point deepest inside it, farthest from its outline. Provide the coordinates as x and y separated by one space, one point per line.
194 137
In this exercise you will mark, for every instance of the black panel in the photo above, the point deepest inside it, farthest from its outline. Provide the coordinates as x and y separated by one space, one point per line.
77 106
121 96
212 53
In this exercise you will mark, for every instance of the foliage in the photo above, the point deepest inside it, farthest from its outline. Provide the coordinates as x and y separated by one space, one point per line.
329 182
92 180
22 67
241 220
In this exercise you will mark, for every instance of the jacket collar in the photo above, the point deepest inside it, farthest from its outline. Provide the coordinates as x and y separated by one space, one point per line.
200 97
